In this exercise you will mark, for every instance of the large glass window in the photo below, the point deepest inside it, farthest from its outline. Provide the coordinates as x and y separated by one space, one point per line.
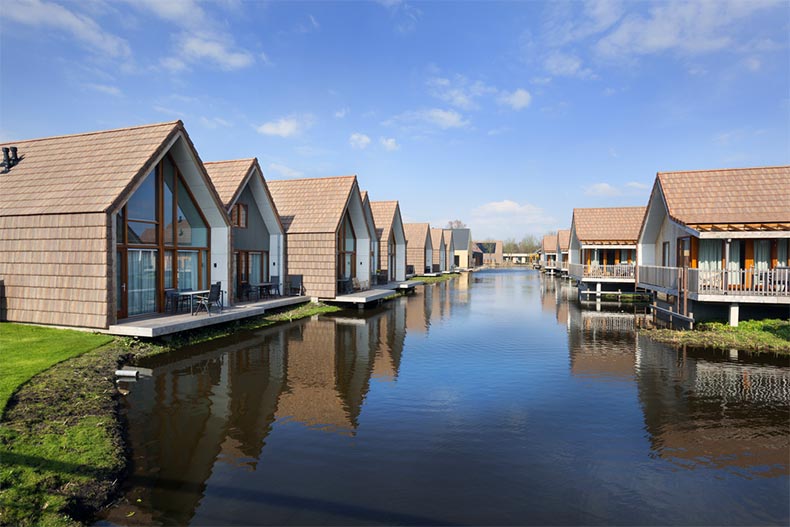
141 282
191 229
168 190
346 249
762 254
188 266
142 204
782 252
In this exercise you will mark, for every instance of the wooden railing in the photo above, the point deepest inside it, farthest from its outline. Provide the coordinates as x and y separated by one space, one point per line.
765 282
601 271
663 277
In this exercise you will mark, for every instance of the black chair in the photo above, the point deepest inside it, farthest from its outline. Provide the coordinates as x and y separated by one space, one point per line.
171 299
184 302
211 300
274 290
294 285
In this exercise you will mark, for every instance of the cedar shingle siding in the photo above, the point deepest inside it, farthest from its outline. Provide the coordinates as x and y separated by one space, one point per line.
416 235
55 269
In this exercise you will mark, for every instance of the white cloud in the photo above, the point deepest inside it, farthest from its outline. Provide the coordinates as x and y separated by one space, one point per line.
284 171
566 65
518 100
359 141
48 15
753 64
389 144
637 185
215 122
199 49
602 189
508 219
169 111
459 91
433 117
104 88
342 112
680 26
287 126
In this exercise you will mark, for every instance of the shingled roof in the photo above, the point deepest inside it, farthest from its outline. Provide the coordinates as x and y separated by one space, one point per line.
564 239
416 233
436 238
367 210
228 177
717 199
312 205
384 217
549 243
84 172
608 225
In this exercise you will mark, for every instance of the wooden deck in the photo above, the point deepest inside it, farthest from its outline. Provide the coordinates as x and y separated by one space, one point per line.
380 292
163 324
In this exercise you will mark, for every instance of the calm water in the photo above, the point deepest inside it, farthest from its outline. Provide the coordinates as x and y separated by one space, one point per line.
496 399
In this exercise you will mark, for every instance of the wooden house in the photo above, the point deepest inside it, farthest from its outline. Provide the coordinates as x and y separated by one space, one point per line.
258 238
95 227
462 253
548 254
392 245
449 240
375 260
602 246
717 240
493 253
563 245
419 247
327 239
439 251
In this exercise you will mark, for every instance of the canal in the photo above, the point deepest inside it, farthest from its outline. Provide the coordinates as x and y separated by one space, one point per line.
494 399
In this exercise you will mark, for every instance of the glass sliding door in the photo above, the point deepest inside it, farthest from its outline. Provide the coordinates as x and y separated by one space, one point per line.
188 274
141 282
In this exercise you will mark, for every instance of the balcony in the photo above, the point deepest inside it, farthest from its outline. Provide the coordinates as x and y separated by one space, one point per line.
602 273
742 284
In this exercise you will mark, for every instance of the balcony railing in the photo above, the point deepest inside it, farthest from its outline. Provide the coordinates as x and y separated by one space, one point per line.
753 282
601 271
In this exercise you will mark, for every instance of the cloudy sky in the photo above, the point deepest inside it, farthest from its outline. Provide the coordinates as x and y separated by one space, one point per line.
504 115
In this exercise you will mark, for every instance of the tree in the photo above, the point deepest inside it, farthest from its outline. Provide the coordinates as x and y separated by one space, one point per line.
510 246
529 244
455 224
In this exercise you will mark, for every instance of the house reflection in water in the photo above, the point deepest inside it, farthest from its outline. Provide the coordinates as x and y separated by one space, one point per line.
601 344
699 410
390 325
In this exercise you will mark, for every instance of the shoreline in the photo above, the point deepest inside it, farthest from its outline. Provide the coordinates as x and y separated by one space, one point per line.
752 336
76 405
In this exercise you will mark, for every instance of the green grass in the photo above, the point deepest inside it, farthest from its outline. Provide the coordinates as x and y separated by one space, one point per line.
28 350
433 279
771 335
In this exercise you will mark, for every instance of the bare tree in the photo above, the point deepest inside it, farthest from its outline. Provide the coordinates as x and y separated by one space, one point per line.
455 224
510 246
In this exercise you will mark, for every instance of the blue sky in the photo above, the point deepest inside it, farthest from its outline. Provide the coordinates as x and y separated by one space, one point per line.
504 115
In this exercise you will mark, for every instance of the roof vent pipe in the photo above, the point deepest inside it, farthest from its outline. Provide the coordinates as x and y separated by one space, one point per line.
6 159
14 157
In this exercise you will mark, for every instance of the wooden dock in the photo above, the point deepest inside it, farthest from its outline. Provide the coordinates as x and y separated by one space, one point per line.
361 299
164 324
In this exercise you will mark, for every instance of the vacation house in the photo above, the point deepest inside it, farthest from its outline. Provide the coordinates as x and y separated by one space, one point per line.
548 254
392 244
714 241
449 240
462 253
327 239
419 247
258 239
374 241
439 251
603 246
95 226
563 245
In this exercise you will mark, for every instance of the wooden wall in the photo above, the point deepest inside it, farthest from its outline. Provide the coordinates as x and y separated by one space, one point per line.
415 255
314 257
56 269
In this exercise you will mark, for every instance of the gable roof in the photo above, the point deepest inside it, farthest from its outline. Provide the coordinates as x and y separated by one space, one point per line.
704 198
550 243
462 238
608 225
449 237
564 239
437 237
368 212
82 173
384 217
416 233
228 177
312 205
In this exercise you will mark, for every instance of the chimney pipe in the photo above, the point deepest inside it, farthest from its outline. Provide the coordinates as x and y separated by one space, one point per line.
14 157
6 159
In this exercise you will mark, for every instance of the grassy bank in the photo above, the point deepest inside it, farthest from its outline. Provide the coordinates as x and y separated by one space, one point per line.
433 279
751 335
61 439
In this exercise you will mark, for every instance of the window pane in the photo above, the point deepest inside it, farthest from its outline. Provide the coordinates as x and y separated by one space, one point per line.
349 242
782 252
141 286
191 229
204 266
188 270
255 267
141 233
167 198
142 204
762 254
168 271
119 228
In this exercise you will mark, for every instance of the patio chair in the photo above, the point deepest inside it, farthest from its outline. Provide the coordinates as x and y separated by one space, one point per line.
294 285
274 290
171 299
184 302
211 300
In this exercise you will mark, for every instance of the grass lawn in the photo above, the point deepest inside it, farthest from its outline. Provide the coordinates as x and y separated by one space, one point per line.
433 279
771 335
28 350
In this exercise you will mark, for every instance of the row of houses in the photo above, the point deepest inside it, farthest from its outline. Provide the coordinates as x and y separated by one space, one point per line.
707 244
99 227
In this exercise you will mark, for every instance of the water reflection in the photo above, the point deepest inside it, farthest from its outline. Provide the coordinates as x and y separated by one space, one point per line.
496 399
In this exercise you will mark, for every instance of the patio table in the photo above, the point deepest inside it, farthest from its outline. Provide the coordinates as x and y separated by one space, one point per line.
191 295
